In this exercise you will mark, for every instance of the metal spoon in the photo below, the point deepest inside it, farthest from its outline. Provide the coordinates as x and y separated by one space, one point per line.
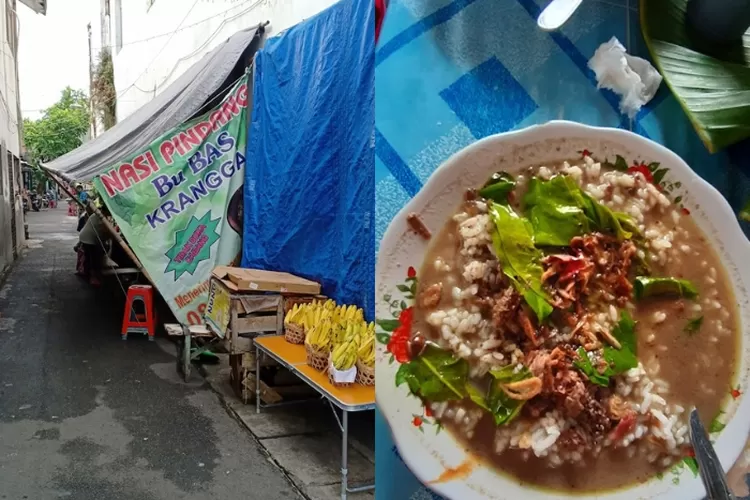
709 467
556 13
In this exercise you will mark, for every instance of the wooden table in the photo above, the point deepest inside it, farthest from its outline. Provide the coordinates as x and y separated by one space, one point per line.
347 399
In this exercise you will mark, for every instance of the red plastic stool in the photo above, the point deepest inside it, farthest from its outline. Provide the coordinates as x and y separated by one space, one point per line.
133 322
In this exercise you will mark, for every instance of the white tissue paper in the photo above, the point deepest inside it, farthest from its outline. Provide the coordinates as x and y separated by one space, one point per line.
346 376
633 78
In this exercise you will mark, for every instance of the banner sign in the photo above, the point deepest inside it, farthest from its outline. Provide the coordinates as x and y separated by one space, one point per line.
179 203
218 310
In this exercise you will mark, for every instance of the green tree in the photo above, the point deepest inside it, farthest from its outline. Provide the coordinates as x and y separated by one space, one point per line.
61 128
103 95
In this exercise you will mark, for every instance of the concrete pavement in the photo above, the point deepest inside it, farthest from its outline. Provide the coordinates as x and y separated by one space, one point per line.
85 415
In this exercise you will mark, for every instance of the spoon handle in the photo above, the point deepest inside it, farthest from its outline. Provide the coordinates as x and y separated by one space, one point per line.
556 13
709 467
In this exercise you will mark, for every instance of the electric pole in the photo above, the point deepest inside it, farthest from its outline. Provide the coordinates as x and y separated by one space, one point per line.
92 112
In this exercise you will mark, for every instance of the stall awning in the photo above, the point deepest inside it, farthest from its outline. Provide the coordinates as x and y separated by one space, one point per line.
195 91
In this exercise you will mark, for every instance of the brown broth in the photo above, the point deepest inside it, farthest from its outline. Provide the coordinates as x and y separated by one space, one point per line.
681 361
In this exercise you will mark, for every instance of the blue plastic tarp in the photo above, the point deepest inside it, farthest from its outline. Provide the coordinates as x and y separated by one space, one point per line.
309 185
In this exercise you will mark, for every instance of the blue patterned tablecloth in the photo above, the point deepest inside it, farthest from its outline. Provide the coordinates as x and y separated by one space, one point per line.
449 72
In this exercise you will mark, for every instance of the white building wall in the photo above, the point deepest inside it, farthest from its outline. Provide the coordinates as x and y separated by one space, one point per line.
190 29
11 201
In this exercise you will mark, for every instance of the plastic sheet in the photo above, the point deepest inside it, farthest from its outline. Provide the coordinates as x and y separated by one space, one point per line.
309 189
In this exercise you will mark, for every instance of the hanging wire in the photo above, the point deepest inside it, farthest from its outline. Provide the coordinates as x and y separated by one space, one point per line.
206 42
122 93
154 37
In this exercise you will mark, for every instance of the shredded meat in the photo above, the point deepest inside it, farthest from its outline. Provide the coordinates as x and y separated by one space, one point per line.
572 439
625 426
488 288
570 392
538 406
568 277
527 325
564 388
504 307
594 419
597 262
430 297
418 226
612 260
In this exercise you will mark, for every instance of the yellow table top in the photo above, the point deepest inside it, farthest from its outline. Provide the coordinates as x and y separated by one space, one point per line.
292 354
354 396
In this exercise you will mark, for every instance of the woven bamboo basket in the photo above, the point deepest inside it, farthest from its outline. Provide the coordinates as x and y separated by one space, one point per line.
330 377
294 334
365 374
317 359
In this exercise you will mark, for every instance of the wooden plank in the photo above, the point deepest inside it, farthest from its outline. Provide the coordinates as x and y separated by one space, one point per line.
173 329
270 281
240 345
267 394
255 324
280 317
248 361
259 303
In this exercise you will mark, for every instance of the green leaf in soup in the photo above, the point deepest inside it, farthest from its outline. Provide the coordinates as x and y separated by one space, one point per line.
645 286
509 373
498 187
693 325
555 209
513 241
435 375
584 365
618 360
716 424
477 396
605 219
692 464
714 90
625 358
560 210
503 408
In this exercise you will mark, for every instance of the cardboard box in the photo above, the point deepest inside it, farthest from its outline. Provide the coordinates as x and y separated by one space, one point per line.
255 280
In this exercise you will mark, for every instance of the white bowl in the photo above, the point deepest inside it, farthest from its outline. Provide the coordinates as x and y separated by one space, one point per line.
429 453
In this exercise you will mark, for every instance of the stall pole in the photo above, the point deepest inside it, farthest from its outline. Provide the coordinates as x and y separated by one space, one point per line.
344 453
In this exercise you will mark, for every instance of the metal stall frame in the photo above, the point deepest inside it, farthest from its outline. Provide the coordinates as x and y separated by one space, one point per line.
300 369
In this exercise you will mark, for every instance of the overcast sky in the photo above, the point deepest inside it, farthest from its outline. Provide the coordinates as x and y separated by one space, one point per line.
53 52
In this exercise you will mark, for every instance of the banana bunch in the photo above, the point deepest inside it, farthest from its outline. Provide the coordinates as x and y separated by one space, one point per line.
332 327
295 314
366 352
344 355
320 335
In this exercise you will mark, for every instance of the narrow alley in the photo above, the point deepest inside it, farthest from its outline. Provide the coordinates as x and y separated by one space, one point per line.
85 415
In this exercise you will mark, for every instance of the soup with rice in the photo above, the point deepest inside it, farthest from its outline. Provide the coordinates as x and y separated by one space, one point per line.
566 322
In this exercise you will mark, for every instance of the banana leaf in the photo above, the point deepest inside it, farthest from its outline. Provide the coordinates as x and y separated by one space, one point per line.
714 90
